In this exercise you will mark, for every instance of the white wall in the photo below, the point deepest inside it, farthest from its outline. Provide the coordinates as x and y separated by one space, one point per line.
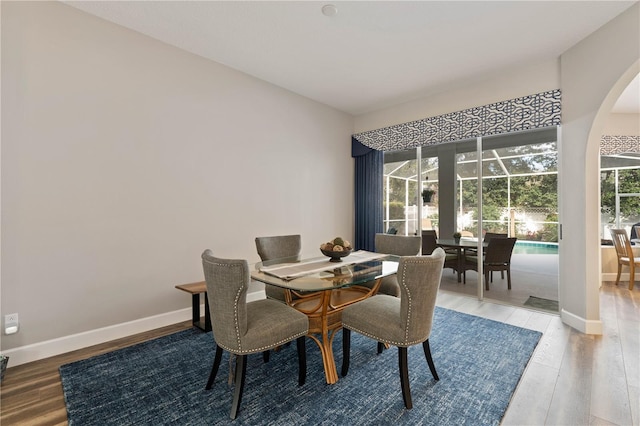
594 73
512 83
622 124
124 158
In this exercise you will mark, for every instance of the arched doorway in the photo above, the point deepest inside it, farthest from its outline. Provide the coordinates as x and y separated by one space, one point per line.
602 116
593 74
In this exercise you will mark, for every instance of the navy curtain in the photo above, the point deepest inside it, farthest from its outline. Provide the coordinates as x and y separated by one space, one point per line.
368 194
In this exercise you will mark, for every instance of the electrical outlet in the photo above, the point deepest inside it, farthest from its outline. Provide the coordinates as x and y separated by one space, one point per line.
11 319
11 324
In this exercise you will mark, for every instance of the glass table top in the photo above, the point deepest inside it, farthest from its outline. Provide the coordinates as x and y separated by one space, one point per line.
326 275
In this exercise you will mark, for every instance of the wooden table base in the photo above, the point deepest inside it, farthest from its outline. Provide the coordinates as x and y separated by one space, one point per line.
324 310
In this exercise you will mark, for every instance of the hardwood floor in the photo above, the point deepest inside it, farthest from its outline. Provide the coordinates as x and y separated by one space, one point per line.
572 379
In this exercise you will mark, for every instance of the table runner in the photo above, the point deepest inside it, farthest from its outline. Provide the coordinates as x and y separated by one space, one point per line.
289 271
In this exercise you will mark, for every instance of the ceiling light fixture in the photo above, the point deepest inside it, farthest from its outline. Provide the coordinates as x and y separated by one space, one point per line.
329 10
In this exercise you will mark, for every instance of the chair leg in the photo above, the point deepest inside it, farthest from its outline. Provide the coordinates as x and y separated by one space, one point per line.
427 354
302 360
346 349
241 370
404 377
509 278
214 369
265 356
632 274
486 280
380 347
619 272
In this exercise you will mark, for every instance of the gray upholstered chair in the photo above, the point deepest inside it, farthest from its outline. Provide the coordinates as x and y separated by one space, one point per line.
399 245
278 247
401 322
243 328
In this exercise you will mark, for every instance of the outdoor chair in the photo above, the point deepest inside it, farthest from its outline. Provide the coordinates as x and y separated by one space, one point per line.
243 328
403 321
497 257
487 237
625 254
490 235
430 243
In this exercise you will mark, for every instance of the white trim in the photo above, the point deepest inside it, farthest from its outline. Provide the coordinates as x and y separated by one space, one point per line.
581 324
611 276
49 348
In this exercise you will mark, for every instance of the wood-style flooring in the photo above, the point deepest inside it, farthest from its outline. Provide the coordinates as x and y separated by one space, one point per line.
572 379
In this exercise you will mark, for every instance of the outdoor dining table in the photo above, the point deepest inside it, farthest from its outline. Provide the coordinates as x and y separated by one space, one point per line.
461 246
324 288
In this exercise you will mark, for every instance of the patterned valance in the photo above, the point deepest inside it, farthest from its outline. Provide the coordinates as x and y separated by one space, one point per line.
528 112
610 145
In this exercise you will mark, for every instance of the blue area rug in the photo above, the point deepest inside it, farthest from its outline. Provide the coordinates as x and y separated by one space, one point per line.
162 381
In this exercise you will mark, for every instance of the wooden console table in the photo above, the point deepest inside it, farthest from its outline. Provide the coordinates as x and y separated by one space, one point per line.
196 289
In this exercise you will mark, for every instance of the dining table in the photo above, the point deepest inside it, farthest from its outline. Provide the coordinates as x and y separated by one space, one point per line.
462 246
321 289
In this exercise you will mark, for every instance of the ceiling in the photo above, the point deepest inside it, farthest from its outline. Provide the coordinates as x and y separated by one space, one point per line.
371 54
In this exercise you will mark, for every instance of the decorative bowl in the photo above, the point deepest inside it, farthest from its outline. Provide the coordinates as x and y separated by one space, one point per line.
336 255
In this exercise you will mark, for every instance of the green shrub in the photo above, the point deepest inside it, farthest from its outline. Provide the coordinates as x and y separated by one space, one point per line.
396 210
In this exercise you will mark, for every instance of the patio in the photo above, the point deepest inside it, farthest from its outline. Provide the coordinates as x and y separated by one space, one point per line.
531 275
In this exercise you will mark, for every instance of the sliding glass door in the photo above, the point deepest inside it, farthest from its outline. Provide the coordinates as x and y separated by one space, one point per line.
400 193
519 197
410 192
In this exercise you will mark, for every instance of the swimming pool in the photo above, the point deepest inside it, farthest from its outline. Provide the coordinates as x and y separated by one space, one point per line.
532 247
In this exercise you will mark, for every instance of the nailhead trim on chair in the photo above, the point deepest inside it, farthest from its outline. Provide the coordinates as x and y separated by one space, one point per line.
405 343
237 325
404 271
263 348
391 342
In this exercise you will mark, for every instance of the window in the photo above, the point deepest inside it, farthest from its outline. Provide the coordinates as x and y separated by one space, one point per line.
619 192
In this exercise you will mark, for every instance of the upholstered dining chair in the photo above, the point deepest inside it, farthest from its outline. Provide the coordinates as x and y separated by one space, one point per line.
403 321
625 255
278 247
243 328
497 257
399 245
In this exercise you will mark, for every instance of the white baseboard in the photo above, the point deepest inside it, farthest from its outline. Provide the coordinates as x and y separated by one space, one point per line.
611 276
583 325
49 348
